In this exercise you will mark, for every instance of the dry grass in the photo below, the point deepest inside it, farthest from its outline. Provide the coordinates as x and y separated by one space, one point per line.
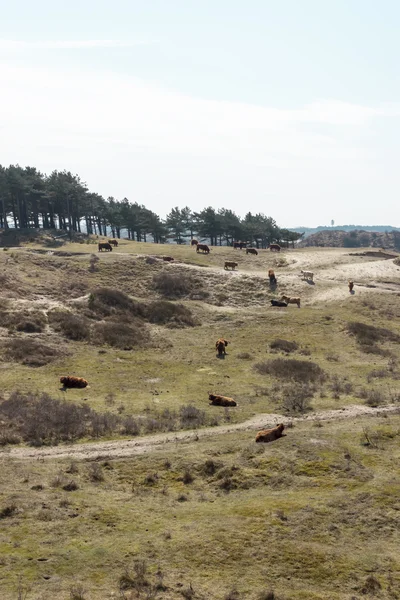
324 497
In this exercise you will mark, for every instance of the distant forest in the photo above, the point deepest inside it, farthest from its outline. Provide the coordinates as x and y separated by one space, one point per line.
31 200
311 230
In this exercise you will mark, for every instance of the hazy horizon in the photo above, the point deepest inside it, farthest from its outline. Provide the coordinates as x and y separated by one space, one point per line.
289 109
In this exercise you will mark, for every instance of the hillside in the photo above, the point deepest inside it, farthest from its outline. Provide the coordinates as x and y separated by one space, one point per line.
353 239
135 486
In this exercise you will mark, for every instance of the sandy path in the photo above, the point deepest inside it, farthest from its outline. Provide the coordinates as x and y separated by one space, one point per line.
149 444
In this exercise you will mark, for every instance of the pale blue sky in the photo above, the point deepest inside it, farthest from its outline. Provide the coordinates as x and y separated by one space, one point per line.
290 108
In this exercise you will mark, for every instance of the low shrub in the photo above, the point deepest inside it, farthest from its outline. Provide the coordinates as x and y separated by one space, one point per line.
119 335
296 398
30 352
368 335
109 301
299 370
173 285
71 326
283 346
170 314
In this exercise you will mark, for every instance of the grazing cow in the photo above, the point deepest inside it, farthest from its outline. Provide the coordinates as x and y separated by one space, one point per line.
167 258
220 346
194 242
307 275
272 278
251 251
113 242
239 245
73 382
351 285
275 247
270 435
291 300
216 400
203 248
278 303
105 246
230 265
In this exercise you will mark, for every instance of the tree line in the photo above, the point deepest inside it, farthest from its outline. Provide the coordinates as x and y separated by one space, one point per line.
32 200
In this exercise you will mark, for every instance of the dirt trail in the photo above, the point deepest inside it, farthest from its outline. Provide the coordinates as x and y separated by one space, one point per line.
149 444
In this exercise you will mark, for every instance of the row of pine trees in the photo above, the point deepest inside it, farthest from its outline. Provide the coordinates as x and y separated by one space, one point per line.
30 199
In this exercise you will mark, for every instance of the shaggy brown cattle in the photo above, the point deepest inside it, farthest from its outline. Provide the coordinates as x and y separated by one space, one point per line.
291 300
269 435
275 247
167 258
272 278
113 242
220 346
203 248
216 400
279 303
73 382
230 265
105 246
194 242
351 285
251 251
239 245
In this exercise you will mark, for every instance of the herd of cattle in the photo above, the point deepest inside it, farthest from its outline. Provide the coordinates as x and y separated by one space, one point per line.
267 435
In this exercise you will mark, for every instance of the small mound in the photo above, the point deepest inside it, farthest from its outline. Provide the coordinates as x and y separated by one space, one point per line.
167 313
31 352
299 370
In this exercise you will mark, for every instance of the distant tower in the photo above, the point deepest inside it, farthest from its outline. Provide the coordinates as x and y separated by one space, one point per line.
332 223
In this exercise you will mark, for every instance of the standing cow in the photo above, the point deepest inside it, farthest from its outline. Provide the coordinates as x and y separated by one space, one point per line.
203 248
194 242
105 246
351 286
113 243
220 346
251 251
275 247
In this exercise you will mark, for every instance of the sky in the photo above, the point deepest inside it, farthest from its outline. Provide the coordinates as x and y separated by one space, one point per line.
287 108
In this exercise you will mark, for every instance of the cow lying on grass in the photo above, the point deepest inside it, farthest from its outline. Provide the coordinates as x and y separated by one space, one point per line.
73 382
230 265
351 286
105 246
220 346
278 303
251 251
167 258
291 300
216 400
307 275
270 435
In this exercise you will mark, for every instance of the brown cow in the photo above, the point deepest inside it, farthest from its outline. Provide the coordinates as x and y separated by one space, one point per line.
239 245
113 242
167 258
290 300
351 286
216 400
275 247
251 251
220 346
203 248
230 264
73 382
105 246
270 435
271 275
194 242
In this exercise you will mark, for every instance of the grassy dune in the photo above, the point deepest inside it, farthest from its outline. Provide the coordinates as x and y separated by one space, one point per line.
313 515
